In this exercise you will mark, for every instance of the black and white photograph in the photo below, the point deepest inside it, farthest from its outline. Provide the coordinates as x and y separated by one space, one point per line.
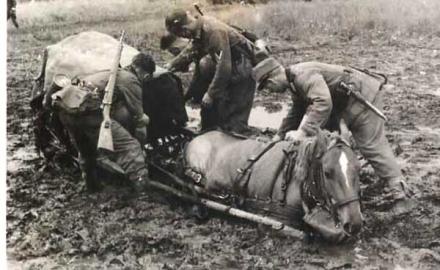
221 134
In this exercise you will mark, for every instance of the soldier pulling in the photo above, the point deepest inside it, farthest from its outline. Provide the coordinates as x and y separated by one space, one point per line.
228 100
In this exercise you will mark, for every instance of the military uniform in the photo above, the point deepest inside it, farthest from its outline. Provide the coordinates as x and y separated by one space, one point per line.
126 113
203 74
232 86
317 98
127 96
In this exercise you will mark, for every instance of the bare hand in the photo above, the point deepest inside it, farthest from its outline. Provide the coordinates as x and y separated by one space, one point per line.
295 135
276 138
207 100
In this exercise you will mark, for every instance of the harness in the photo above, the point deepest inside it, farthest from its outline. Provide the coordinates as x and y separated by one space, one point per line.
275 208
312 190
246 171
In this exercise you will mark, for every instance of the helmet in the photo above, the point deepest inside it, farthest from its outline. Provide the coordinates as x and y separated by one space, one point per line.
176 20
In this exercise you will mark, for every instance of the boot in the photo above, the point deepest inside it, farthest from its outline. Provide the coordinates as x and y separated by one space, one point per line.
397 197
396 190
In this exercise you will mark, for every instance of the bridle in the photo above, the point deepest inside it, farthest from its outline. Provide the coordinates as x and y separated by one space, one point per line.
312 189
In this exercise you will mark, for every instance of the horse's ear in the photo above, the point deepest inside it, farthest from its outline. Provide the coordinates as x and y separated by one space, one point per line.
343 130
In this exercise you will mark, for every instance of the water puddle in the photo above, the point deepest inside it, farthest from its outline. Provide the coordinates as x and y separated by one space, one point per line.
260 117
18 155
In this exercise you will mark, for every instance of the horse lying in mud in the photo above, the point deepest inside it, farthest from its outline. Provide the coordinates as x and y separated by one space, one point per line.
313 184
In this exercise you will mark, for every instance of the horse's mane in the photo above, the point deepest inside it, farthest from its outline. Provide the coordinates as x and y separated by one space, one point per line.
311 148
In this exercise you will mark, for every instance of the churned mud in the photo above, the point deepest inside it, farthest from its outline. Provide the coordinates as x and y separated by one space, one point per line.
52 223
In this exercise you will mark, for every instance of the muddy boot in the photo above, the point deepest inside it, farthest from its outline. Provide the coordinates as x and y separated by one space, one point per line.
396 197
396 190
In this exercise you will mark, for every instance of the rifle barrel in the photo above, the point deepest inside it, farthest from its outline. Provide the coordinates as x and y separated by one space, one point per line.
105 140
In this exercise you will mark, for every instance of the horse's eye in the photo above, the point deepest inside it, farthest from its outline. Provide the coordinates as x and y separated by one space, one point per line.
328 174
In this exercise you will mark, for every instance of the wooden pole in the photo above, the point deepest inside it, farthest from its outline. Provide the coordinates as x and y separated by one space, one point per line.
276 225
179 181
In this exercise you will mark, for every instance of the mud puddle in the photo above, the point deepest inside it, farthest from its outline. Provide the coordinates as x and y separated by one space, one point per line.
261 116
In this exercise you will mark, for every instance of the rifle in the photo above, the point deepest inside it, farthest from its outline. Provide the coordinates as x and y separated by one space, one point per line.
105 140
358 96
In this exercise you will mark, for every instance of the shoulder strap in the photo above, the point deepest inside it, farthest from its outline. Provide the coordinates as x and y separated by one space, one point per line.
373 74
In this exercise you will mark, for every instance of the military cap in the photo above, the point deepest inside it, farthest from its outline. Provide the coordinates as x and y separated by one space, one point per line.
264 69
176 19
144 61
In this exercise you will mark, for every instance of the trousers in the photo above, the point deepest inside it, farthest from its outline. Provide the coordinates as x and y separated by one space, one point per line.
84 131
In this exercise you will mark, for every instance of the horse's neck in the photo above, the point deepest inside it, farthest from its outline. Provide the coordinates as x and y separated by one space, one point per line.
311 185
280 164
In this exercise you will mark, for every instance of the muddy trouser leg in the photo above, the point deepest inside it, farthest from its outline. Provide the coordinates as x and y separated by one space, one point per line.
128 153
83 138
209 116
236 111
198 87
369 134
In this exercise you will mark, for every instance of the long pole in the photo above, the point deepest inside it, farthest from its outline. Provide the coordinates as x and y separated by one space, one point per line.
276 225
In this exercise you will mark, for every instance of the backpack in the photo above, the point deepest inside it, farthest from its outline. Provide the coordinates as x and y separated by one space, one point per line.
77 99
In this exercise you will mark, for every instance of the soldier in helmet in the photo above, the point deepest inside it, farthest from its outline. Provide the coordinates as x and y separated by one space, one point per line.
228 100
318 97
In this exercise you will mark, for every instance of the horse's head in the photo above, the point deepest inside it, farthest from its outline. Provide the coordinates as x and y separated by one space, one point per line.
332 179
340 184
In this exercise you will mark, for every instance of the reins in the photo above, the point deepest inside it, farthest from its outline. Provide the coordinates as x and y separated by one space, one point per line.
312 189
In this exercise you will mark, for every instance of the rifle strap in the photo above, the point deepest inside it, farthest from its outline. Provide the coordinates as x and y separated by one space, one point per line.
373 74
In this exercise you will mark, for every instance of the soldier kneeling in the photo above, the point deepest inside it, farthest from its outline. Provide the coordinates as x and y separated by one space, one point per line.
79 107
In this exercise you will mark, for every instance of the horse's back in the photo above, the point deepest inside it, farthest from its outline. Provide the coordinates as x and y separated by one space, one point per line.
217 156
202 150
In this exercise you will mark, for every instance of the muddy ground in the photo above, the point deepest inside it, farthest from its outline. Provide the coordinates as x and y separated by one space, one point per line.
52 223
